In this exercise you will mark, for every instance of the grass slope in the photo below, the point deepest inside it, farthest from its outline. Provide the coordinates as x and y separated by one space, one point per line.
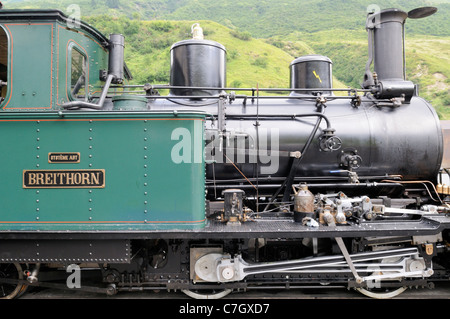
290 28
262 18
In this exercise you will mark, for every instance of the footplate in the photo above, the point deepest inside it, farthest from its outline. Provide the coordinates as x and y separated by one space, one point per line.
65 251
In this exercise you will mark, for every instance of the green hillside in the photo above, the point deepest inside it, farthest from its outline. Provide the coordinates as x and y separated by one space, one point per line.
262 37
262 18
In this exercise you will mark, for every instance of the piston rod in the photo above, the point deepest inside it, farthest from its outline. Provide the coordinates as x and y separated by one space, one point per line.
222 268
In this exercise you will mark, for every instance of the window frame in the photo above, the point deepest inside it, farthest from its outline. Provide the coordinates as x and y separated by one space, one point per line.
80 50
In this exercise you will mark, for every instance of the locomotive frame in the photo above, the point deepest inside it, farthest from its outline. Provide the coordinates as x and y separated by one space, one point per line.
178 220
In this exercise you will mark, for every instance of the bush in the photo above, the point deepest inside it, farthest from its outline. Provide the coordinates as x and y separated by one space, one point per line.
245 36
260 62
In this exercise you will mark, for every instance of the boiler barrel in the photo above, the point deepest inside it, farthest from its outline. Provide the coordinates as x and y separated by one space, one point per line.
403 141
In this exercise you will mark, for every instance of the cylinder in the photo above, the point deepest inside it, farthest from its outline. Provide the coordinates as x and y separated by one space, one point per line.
310 72
197 63
303 204
116 57
388 44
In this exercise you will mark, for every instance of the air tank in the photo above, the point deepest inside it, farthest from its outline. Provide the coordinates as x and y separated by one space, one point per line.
197 63
310 72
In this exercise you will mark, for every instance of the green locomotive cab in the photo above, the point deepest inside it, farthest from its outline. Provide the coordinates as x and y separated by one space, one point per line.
70 165
48 60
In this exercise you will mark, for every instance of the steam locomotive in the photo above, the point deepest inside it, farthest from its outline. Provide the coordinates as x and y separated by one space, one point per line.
208 189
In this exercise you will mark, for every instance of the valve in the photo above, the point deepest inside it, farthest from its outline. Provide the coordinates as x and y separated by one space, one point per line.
350 159
329 142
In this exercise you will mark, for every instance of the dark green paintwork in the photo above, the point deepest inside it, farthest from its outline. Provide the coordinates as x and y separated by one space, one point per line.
128 102
39 63
144 188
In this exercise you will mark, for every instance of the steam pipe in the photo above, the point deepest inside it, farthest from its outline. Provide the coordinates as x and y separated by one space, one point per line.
281 116
101 101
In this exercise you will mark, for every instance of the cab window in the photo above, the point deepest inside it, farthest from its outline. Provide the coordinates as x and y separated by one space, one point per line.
78 79
3 64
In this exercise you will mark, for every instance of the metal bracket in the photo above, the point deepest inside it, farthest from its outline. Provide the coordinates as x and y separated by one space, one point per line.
330 221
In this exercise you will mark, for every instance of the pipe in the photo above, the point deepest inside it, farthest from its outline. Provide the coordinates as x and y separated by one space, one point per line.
328 186
98 106
281 116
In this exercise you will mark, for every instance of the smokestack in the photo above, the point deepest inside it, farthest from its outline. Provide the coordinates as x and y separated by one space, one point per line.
386 34
388 29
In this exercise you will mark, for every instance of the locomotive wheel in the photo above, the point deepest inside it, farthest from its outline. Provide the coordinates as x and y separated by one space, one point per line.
11 271
381 294
378 292
207 294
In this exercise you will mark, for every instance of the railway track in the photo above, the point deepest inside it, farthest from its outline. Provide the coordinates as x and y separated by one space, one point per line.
440 291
